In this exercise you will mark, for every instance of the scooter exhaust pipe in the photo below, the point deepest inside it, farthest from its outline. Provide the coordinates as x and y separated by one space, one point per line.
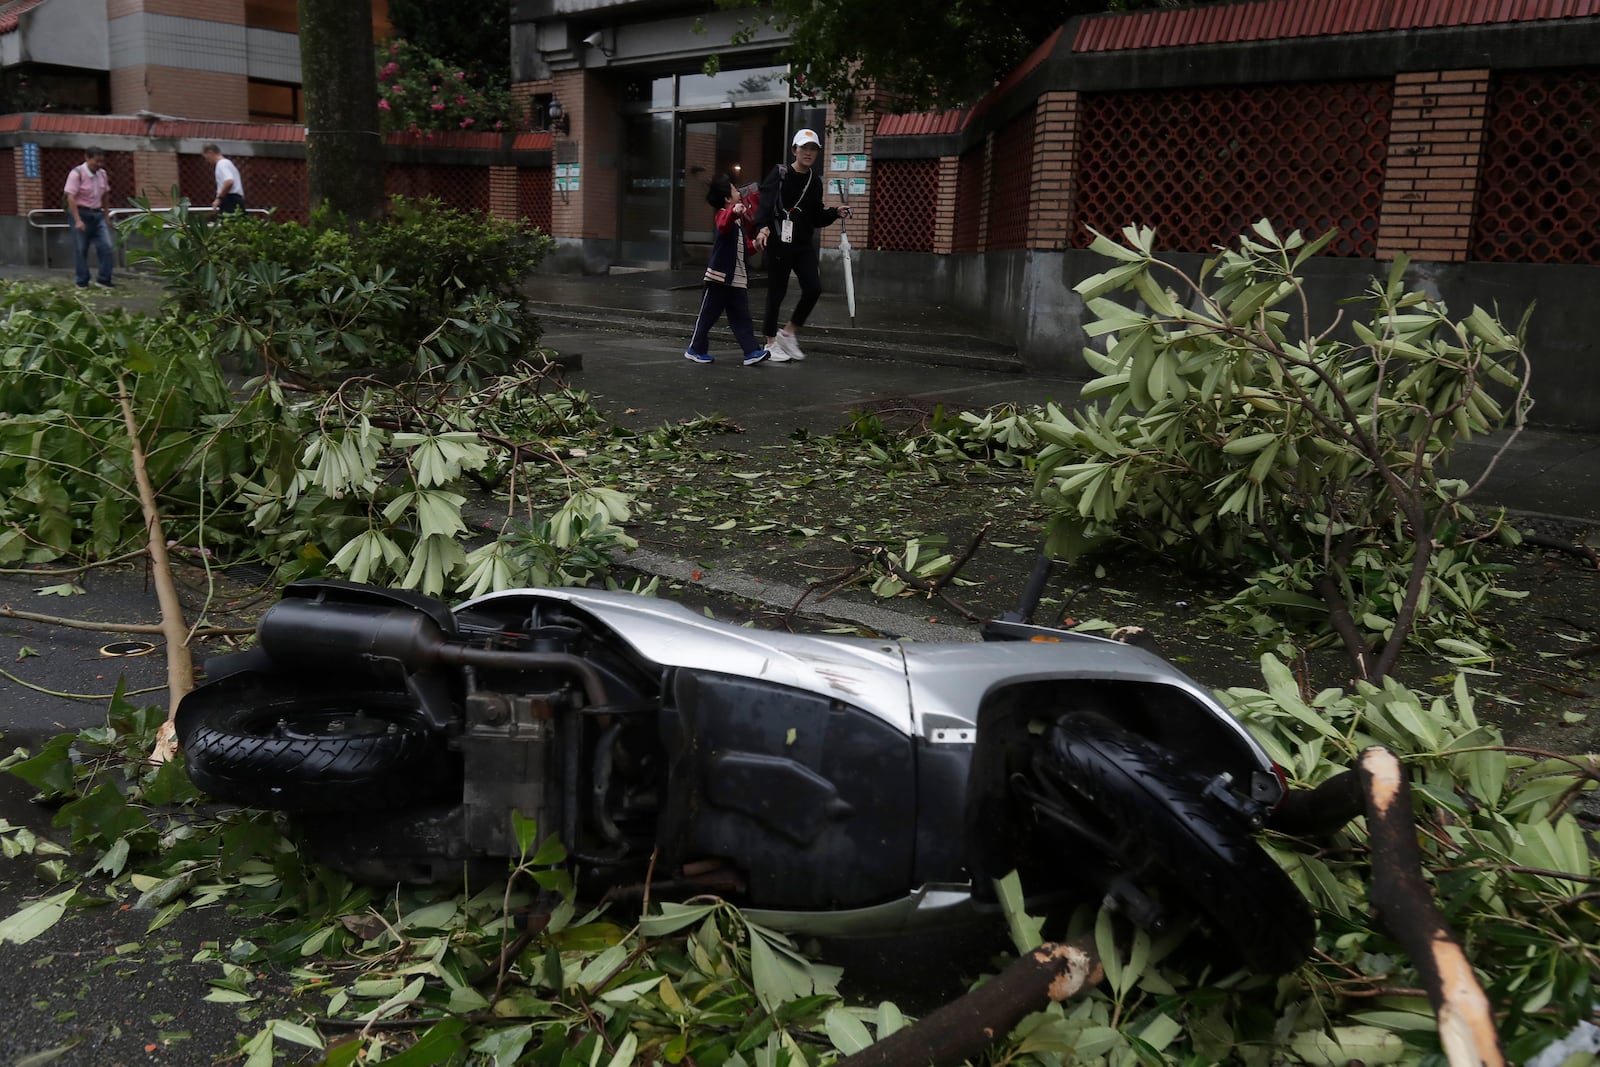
391 643
328 634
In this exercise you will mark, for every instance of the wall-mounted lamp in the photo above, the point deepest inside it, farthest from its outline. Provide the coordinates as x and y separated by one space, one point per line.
556 118
597 39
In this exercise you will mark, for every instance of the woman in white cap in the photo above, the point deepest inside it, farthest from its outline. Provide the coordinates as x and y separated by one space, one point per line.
787 222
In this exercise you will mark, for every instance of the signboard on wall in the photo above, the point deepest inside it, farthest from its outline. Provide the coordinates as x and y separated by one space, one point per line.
30 161
850 138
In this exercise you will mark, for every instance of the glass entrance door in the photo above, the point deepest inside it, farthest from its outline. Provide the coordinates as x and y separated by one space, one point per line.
645 214
744 143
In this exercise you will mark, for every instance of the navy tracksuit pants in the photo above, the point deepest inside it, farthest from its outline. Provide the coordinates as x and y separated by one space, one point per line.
714 300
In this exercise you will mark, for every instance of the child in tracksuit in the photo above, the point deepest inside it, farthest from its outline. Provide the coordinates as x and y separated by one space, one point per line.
726 285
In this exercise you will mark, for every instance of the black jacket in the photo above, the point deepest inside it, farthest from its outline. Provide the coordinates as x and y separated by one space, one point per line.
786 193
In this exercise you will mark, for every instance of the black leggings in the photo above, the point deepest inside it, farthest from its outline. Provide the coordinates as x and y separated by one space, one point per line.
781 259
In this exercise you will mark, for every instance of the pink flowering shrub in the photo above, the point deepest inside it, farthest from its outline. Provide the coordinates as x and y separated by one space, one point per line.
419 93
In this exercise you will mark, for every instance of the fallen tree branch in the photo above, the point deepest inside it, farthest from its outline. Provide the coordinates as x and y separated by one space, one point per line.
82 568
1583 552
1405 905
1320 811
962 1030
961 560
180 665
9 612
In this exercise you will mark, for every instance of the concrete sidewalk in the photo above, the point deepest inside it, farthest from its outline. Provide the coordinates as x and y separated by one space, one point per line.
631 359
665 303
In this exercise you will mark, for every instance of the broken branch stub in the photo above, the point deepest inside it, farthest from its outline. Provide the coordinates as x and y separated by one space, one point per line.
962 1030
1401 897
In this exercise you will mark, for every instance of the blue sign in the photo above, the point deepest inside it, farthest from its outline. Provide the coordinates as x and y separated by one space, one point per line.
30 161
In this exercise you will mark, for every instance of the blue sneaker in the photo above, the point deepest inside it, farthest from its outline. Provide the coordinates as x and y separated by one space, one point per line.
756 357
696 357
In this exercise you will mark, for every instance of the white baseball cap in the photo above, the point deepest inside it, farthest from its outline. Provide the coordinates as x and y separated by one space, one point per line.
806 137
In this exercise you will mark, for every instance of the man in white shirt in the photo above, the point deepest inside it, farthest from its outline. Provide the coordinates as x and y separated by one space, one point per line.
230 189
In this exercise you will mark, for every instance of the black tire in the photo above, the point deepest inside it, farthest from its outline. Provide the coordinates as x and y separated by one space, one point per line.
314 753
1178 846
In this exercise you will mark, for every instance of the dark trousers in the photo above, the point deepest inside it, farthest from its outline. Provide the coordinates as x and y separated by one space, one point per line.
97 233
231 203
781 259
716 298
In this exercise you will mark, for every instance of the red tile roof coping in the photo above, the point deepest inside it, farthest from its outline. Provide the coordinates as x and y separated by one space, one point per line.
258 132
922 123
11 14
1265 20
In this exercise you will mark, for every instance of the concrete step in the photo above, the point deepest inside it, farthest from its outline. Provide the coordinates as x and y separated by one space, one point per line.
944 350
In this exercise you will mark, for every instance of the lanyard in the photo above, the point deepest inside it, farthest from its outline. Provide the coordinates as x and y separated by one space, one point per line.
811 173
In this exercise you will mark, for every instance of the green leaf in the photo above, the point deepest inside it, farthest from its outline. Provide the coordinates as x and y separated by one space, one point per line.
1025 930
775 978
848 1034
440 1043
29 922
672 917
623 1057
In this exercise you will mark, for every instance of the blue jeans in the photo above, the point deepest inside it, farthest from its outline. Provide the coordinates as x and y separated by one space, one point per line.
97 232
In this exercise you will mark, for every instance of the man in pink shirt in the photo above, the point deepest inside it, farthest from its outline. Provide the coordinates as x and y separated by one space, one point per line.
88 187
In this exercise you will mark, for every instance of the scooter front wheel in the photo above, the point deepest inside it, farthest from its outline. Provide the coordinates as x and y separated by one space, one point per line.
362 753
1172 842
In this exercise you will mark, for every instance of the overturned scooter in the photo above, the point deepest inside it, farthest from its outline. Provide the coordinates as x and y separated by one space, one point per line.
828 785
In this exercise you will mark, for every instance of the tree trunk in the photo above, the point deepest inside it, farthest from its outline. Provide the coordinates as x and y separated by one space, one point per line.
344 151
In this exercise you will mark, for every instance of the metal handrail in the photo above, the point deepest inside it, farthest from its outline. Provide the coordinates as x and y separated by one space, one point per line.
45 219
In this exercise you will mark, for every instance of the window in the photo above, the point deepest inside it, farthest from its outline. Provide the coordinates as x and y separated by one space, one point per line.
275 102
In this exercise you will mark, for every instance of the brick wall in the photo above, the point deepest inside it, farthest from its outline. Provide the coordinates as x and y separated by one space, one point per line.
229 11
155 175
29 192
523 93
503 199
944 219
1055 153
183 93
596 129
859 224
1435 156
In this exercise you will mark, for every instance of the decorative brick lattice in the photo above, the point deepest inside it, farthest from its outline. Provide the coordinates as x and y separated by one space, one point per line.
56 163
1539 195
905 196
1010 183
197 180
279 184
969 202
533 196
8 185
462 187
1201 165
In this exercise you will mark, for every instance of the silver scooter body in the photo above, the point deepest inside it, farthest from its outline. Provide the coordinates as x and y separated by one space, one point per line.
934 693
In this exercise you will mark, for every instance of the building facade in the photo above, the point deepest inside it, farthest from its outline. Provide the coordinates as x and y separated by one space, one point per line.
220 60
641 120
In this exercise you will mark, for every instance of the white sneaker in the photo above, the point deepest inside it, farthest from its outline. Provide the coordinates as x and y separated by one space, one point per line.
791 345
776 352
